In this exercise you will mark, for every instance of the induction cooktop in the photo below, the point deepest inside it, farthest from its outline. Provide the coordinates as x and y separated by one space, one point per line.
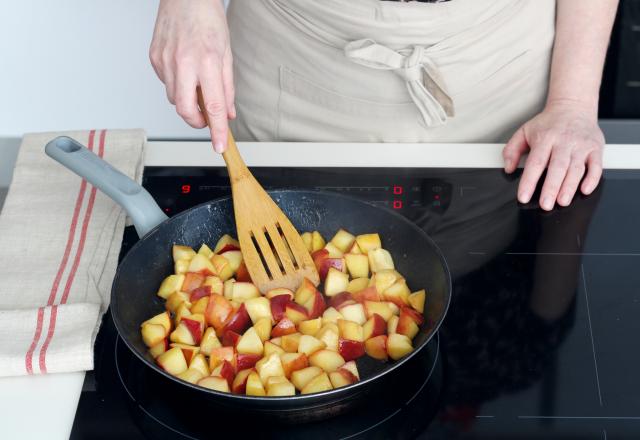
539 341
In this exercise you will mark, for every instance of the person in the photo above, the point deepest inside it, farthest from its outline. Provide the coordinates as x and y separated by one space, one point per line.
521 72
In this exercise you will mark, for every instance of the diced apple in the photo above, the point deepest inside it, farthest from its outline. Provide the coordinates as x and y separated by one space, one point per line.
226 371
324 262
307 239
205 251
200 306
254 385
379 308
290 342
182 335
280 388
220 354
181 312
284 327
190 375
180 252
268 367
153 334
354 312
198 362
239 321
258 308
317 241
398 293
175 299
329 334
339 299
354 249
225 243
328 360
398 346
343 240
250 343
374 326
335 282
214 283
180 267
171 284
311 326
227 288
200 292
195 324
172 361
358 265
263 328
331 315
300 378
309 345
278 304
215 383
392 325
350 350
218 312
277 340
164 319
242 274
230 338
201 265
342 378
407 324
352 368
295 312
222 267
278 292
270 347
189 351
245 361
293 362
380 259
244 291
209 341
159 348
376 347
305 291
357 285
368 242
416 299
334 252
315 305
350 330
234 258
239 385
383 280
367 294
318 384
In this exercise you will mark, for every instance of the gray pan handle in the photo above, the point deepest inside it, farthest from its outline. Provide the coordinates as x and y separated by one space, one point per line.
143 210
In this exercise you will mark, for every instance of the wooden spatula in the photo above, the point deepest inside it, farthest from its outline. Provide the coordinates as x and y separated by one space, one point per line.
273 250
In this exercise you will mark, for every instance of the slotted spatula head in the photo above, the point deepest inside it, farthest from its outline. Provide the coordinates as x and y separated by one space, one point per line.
273 250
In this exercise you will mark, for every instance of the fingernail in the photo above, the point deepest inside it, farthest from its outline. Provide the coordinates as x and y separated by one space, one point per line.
547 203
507 164
524 197
219 147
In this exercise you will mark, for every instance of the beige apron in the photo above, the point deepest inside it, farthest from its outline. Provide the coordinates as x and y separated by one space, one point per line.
378 71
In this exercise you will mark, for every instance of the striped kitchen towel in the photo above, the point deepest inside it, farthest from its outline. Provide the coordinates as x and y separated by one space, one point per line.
59 245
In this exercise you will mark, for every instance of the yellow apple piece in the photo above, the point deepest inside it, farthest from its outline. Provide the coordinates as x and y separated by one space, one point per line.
293 362
398 293
222 267
215 283
309 345
368 242
270 348
416 299
180 252
263 328
190 375
170 284
354 312
358 265
318 384
328 360
398 346
392 324
172 361
209 341
250 343
198 362
383 280
307 239
215 383
310 326
181 312
201 264
351 367
334 252
153 334
350 330
343 240
280 386
336 282
164 319
290 342
341 378
226 242
254 385
180 267
378 308
175 299
269 366
357 284
158 348
205 251
258 308
182 335
243 291
380 259
329 334
331 315
300 378
317 241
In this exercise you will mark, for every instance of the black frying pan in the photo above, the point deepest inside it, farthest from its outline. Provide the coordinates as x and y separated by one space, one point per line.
133 297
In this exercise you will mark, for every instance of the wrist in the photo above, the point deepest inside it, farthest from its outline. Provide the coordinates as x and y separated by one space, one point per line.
587 107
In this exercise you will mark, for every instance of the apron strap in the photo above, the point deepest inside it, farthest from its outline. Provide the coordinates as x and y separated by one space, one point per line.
415 67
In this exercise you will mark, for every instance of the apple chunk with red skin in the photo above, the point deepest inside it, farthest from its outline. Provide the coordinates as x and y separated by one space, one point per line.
408 322
239 384
195 324
339 299
239 321
293 362
278 304
375 326
350 350
242 274
230 338
200 264
342 378
324 262
368 294
218 312
296 313
163 319
191 282
376 347
199 292
220 354
247 360
284 327
315 305
172 361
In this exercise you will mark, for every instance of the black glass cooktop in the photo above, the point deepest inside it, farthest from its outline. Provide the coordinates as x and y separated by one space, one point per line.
540 341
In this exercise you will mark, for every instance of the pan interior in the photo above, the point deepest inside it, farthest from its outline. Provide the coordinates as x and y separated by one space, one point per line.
415 256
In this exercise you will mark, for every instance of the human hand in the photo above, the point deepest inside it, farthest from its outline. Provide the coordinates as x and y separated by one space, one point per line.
190 48
566 137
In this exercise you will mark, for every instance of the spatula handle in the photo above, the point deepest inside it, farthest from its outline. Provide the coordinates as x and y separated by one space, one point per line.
235 165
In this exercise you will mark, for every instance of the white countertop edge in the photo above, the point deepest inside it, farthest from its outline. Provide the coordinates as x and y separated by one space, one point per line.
39 406
390 155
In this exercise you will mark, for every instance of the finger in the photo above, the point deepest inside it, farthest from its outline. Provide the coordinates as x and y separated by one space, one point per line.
228 85
594 172
169 86
186 99
556 173
533 169
571 182
514 150
216 107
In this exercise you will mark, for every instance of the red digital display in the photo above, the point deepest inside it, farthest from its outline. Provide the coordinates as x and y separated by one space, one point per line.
397 204
186 189
398 189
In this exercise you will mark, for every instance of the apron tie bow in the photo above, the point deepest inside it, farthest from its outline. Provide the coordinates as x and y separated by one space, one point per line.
415 67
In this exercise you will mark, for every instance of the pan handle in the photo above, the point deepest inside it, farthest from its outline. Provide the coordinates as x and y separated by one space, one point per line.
143 210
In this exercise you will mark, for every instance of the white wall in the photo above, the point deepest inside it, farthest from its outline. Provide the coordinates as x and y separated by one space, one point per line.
74 64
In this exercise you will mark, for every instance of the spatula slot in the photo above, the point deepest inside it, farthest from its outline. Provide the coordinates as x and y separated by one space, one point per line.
294 258
260 253
274 251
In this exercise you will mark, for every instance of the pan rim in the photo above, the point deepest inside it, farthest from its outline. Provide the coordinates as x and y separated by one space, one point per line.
298 397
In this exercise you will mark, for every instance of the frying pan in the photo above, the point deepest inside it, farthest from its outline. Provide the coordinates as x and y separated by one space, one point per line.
133 294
